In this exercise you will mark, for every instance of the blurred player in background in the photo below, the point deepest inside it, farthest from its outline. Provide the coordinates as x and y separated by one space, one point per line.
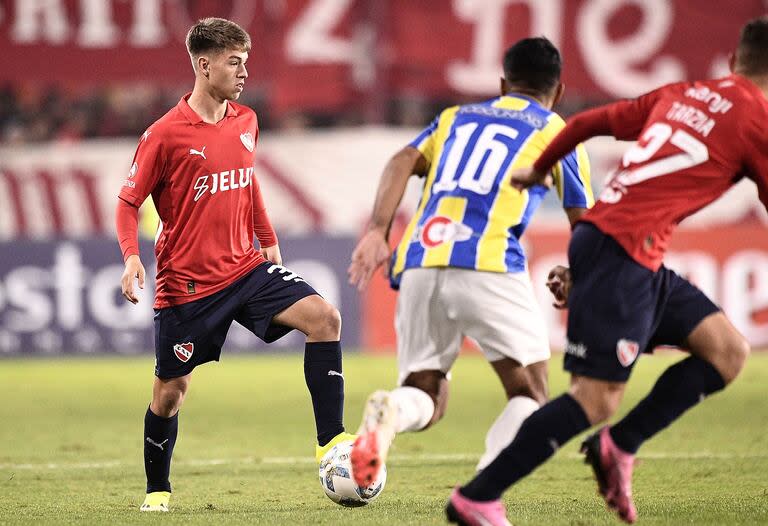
197 163
460 267
695 141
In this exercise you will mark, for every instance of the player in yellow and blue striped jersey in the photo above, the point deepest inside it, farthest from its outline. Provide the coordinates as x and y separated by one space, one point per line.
469 216
459 266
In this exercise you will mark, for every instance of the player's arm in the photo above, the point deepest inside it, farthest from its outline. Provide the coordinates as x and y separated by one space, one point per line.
623 120
127 224
146 171
263 229
572 178
373 249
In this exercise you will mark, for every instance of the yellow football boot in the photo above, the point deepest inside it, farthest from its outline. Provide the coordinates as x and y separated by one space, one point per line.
320 451
156 501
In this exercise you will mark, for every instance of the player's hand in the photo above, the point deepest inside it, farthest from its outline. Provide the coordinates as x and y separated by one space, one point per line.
272 254
522 178
133 270
371 252
559 284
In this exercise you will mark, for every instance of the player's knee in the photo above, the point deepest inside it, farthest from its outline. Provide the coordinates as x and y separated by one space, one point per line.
326 325
733 359
599 400
167 402
331 321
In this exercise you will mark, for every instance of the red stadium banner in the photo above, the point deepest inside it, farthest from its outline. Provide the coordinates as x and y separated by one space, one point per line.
327 54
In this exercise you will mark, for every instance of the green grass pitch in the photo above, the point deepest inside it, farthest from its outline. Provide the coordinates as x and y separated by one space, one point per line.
71 448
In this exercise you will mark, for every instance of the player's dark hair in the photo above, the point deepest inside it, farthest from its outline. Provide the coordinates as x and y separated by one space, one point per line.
216 34
533 64
752 53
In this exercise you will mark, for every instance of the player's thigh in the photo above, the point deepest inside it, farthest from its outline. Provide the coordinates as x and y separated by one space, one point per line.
273 303
500 312
308 314
427 338
614 305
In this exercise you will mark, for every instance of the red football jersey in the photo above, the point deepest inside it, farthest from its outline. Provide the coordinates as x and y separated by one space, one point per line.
201 180
694 141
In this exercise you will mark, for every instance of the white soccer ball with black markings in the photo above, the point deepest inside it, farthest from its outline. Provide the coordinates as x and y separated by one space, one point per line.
338 483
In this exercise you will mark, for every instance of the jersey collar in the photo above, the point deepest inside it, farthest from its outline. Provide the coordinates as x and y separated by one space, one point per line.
194 118
515 95
748 85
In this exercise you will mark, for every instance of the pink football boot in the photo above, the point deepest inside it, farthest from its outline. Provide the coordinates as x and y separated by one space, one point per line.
466 512
613 471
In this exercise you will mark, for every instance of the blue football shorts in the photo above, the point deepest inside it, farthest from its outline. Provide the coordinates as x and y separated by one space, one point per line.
619 309
193 333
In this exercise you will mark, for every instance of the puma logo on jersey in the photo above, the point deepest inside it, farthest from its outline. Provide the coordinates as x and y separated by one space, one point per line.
201 153
223 181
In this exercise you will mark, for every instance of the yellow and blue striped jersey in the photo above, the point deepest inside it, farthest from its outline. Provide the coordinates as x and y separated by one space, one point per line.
469 215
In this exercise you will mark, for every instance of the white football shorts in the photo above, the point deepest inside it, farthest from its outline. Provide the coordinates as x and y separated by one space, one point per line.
437 307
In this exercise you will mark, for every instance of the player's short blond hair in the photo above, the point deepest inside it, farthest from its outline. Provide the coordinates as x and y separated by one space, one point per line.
216 34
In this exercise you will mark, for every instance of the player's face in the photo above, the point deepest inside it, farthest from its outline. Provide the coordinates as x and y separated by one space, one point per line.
227 73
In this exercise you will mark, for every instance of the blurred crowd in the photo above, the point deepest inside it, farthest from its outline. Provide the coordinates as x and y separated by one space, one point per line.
33 113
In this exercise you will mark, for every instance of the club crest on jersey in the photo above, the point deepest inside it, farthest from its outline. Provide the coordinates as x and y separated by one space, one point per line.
183 351
627 351
247 140
440 229
132 172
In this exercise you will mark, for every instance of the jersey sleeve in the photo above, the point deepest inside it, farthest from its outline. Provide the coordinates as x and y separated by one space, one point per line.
573 179
425 141
627 117
127 228
146 171
262 226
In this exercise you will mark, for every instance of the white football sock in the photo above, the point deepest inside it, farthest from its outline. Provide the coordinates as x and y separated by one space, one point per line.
506 426
414 408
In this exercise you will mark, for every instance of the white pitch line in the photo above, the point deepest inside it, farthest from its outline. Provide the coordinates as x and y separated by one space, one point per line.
406 458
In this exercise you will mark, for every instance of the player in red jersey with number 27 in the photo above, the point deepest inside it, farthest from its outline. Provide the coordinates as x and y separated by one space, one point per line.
694 141
197 162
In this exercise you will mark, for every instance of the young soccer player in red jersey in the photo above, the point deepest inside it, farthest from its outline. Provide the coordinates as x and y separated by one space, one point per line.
197 163
695 140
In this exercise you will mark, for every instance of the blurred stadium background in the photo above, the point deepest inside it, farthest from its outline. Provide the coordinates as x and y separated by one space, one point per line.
339 85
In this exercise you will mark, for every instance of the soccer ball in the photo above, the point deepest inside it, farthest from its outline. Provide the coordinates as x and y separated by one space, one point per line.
337 481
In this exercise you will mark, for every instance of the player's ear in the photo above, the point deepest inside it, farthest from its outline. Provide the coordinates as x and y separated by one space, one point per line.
559 90
202 65
503 86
